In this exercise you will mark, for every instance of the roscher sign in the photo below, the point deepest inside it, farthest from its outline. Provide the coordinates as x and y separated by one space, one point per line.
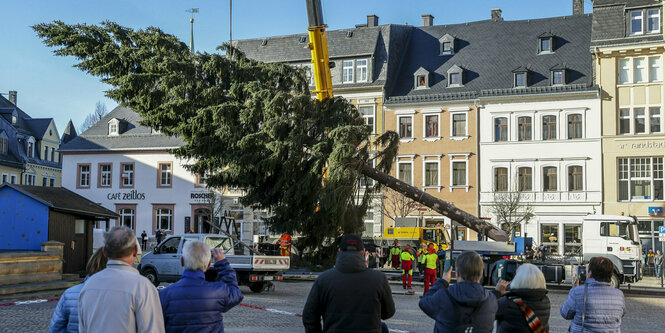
131 195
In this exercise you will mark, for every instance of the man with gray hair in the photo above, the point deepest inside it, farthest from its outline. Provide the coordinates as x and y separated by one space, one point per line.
119 299
193 304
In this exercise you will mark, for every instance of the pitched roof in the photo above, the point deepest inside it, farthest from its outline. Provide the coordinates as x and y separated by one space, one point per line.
134 137
488 52
69 133
63 200
38 126
609 23
384 44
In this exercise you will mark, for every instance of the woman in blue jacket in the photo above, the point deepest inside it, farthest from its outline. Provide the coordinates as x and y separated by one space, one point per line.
66 315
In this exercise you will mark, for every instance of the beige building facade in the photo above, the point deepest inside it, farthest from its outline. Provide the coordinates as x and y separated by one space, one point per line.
629 71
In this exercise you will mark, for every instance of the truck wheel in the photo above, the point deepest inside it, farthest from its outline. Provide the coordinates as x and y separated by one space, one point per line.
151 275
257 287
614 281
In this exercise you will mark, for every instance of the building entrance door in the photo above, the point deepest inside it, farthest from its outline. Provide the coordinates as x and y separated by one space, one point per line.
201 220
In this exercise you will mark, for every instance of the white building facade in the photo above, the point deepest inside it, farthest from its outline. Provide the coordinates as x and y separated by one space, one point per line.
548 149
128 169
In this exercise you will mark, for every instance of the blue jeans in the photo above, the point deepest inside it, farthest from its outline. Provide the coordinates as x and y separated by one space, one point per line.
658 270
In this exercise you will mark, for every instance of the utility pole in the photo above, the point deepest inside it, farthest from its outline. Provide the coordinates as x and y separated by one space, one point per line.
191 31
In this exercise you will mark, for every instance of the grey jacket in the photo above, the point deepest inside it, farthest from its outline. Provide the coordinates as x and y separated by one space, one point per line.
658 259
604 308
119 299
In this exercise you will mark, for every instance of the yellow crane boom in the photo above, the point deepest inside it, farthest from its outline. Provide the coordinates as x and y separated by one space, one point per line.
318 45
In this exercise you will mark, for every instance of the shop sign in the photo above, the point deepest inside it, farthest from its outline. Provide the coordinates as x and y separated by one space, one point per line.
131 195
202 196
655 211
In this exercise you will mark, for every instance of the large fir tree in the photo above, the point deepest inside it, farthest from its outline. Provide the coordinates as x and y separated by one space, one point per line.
248 124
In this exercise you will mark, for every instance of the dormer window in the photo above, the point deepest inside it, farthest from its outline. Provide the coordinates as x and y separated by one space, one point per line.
653 21
545 43
455 78
520 77
114 125
31 147
520 80
447 43
421 78
644 21
14 117
4 143
558 76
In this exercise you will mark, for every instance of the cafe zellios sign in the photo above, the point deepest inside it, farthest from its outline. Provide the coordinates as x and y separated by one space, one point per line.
131 195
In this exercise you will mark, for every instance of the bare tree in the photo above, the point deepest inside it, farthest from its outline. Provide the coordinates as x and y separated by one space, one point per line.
396 205
92 118
511 211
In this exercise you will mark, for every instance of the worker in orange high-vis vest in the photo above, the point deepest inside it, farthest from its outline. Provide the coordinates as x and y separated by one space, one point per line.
284 243
395 251
407 260
430 267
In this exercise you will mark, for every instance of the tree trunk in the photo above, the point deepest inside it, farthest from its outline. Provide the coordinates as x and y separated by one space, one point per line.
438 205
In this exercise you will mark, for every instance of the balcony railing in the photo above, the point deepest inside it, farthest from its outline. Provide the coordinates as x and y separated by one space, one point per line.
549 196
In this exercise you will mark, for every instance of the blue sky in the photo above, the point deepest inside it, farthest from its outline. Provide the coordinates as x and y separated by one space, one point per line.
48 86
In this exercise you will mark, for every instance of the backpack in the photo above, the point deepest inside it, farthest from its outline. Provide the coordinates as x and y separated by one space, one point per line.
465 324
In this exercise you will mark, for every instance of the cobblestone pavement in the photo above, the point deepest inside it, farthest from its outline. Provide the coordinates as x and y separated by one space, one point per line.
645 314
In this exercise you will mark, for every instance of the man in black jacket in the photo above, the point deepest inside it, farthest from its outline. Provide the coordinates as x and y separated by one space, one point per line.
349 297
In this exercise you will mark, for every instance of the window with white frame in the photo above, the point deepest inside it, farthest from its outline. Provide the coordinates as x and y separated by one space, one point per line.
126 174
655 69
459 173
624 121
639 121
639 70
520 79
4 143
431 125
113 128
431 176
347 71
405 126
653 21
366 181
459 127
44 181
446 47
367 112
545 45
361 70
52 154
575 126
405 171
640 178
654 120
500 179
46 150
5 178
421 81
525 179
500 129
549 127
624 71
12 179
524 128
549 179
575 178
51 182
84 175
455 79
164 219
31 147
165 175
558 77
127 217
30 179
105 175
636 18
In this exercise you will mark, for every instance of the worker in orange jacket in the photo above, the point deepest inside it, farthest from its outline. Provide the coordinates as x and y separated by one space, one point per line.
284 243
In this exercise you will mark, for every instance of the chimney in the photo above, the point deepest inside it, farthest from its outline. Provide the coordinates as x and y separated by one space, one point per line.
12 97
578 7
372 20
496 15
428 20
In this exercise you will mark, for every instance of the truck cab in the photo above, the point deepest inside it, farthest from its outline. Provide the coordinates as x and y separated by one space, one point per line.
615 237
256 271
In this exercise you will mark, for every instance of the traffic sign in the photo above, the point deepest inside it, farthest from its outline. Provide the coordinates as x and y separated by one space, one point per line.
661 234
